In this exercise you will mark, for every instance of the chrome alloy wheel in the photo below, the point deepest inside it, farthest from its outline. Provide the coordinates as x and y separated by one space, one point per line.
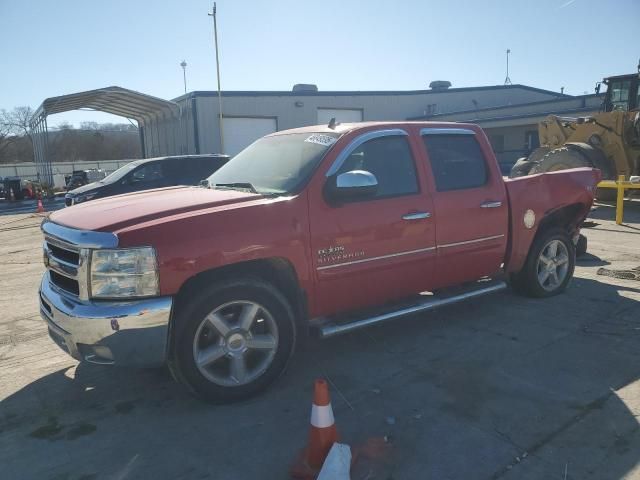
235 343
553 265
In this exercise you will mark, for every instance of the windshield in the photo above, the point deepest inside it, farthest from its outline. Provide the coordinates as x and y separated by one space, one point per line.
274 165
119 173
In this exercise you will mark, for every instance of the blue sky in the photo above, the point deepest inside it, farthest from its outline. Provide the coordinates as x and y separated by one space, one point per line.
55 47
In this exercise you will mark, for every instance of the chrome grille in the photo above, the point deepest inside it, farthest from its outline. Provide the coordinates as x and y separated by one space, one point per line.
64 264
66 256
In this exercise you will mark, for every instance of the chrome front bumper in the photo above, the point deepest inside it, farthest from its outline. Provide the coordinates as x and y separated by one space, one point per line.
132 333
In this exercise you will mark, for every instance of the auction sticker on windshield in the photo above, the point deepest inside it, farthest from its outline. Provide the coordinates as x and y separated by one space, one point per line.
325 140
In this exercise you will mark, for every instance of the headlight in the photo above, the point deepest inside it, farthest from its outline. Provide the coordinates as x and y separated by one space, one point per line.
130 272
84 198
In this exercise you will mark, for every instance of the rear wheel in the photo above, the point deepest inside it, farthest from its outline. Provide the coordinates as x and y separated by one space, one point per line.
233 340
549 266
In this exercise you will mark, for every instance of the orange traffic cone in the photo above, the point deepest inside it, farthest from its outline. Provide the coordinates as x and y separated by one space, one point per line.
40 208
322 436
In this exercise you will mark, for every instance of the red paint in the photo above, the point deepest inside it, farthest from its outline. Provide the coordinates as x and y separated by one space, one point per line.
195 229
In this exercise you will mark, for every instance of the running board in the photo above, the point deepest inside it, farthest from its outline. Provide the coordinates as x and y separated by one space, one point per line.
329 327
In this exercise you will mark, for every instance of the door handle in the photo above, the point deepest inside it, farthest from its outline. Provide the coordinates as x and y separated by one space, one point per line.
416 216
491 205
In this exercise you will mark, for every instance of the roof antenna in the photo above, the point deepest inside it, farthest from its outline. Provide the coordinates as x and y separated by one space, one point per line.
332 123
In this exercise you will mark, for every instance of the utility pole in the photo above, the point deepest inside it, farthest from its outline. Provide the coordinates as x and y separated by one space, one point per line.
507 80
215 39
183 64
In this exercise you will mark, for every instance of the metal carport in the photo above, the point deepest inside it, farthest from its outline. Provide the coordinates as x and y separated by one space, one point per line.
145 109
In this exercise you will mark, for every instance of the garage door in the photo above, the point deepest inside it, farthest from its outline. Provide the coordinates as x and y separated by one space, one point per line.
341 115
240 132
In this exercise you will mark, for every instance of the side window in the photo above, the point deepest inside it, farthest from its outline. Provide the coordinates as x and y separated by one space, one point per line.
204 167
390 160
175 171
148 173
456 161
620 94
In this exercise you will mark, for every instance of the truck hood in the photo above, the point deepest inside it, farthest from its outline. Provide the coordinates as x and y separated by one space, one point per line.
115 213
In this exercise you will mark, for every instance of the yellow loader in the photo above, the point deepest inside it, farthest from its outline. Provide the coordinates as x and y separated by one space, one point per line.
608 140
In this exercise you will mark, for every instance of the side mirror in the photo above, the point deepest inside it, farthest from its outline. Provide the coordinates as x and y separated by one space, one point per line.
352 185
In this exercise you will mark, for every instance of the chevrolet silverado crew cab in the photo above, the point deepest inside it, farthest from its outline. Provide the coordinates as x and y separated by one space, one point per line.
319 229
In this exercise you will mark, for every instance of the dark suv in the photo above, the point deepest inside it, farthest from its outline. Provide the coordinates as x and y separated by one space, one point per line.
150 173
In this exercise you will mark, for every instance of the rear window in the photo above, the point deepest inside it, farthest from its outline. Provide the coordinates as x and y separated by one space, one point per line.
457 161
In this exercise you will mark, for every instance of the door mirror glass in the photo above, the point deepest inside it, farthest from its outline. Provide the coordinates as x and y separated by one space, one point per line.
355 184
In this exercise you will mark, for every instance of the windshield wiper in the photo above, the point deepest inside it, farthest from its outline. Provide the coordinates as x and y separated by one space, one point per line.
238 186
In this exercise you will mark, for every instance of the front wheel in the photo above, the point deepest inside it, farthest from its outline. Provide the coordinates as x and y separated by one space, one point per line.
549 266
233 340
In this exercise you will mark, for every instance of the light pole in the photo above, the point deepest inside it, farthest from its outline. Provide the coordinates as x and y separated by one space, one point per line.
183 64
215 39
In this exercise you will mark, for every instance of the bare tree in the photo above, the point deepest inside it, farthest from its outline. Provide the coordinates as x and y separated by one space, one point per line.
92 141
18 119
16 122
6 138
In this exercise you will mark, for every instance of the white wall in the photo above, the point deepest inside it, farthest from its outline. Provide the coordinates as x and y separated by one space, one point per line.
28 171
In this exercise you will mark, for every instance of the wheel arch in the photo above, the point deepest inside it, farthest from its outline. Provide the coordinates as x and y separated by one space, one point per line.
278 271
567 217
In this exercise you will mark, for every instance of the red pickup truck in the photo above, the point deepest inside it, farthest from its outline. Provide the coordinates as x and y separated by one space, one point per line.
319 229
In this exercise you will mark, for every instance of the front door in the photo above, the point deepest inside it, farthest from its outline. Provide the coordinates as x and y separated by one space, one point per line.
374 250
470 204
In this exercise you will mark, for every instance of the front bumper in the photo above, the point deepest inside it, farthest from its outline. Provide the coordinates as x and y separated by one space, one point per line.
131 333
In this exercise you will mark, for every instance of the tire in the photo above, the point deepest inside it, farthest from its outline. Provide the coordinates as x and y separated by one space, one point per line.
570 157
242 362
581 245
561 158
521 168
529 281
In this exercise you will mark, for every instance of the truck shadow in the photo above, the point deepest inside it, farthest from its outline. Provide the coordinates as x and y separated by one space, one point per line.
590 260
463 392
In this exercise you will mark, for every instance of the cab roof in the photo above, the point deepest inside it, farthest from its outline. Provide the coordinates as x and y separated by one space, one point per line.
343 128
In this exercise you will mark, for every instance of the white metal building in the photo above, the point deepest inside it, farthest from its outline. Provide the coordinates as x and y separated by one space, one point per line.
249 115
190 124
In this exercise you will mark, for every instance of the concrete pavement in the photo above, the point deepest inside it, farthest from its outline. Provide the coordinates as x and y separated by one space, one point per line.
503 387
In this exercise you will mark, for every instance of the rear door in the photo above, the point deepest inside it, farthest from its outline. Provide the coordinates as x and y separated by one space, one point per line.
380 248
470 204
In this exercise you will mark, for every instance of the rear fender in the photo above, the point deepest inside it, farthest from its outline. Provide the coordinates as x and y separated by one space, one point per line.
560 199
